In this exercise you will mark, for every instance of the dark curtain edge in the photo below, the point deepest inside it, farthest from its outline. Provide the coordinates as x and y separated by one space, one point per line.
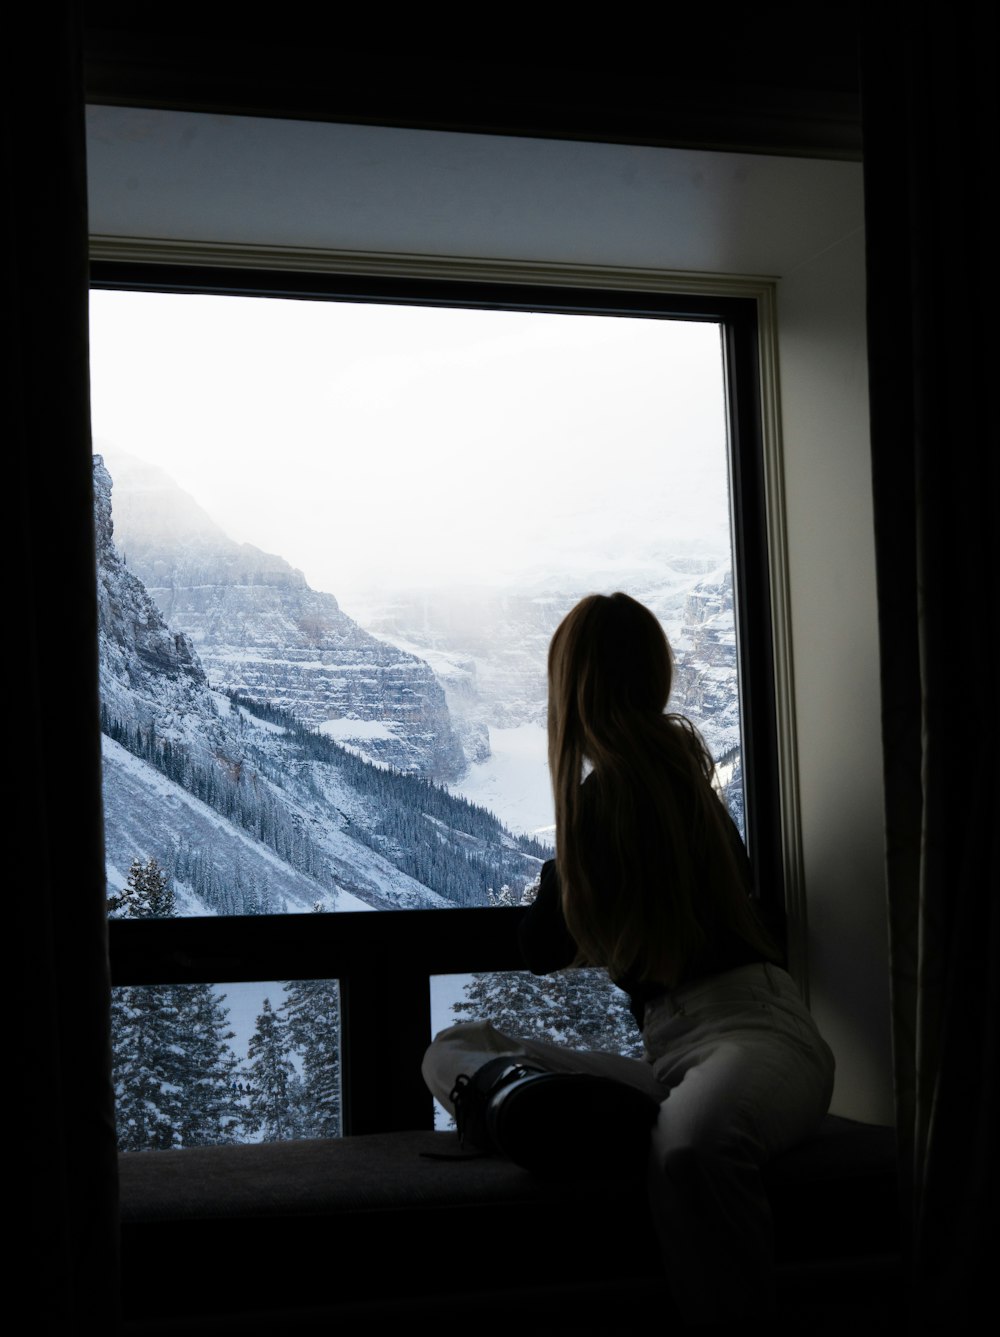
67 1259
929 116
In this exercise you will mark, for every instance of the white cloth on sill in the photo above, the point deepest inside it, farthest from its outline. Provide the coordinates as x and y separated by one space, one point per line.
742 1074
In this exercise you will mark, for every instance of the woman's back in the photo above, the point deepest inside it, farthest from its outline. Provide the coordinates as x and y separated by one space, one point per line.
653 877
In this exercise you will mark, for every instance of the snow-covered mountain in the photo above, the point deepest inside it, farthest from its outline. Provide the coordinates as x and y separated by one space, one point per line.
247 808
259 629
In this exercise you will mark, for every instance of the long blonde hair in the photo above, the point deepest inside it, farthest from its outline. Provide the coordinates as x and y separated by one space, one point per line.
648 871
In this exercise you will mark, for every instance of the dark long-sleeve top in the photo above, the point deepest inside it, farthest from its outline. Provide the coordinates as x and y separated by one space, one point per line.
547 944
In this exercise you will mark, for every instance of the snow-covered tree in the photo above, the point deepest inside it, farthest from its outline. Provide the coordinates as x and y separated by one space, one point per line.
210 1111
578 1008
508 896
145 1038
146 1068
312 1018
146 895
173 1067
273 1088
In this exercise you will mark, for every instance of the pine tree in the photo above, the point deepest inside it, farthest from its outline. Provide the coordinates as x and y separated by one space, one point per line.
271 1102
145 1039
174 1070
145 1059
146 895
312 1019
173 1067
210 1111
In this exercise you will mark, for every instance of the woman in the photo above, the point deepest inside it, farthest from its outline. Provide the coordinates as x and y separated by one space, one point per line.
651 881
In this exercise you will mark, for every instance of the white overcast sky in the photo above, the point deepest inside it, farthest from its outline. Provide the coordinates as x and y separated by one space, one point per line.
403 446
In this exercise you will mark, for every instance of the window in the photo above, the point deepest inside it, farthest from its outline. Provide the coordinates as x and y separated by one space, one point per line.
280 745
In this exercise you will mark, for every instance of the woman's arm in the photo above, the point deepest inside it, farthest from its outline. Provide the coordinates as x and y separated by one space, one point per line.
546 942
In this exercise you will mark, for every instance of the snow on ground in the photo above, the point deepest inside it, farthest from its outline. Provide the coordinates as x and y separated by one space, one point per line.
344 730
255 722
514 782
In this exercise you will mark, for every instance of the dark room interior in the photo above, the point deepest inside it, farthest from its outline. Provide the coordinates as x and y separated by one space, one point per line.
881 1231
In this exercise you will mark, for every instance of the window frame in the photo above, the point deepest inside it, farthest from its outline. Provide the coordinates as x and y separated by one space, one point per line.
384 962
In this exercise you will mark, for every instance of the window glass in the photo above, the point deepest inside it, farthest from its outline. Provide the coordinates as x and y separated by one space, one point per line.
577 1008
334 540
202 1064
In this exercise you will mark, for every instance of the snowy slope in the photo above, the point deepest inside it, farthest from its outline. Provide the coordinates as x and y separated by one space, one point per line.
152 817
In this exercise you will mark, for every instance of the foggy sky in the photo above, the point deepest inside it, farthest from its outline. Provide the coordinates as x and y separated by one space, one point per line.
405 446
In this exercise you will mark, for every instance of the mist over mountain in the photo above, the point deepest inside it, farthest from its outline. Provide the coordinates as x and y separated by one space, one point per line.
489 647
259 629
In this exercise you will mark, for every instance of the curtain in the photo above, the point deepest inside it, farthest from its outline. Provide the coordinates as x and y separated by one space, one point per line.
929 118
66 1269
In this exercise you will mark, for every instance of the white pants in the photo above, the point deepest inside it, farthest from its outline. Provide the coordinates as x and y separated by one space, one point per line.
742 1074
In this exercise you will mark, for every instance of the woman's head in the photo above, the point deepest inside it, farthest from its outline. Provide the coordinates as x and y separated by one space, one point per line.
610 670
644 850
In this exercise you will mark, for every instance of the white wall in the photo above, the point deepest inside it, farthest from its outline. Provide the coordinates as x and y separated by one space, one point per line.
214 178
824 388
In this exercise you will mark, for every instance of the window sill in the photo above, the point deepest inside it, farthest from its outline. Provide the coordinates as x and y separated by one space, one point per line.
320 1212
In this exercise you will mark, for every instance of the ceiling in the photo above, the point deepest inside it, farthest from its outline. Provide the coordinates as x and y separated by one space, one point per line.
770 80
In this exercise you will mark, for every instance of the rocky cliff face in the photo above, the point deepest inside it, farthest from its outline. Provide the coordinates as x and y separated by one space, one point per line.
144 665
258 628
706 684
